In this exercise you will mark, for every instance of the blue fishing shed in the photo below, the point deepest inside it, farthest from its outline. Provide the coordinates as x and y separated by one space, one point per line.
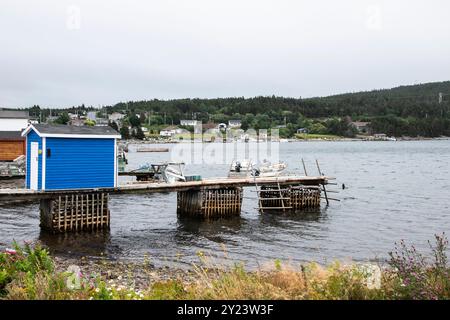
61 157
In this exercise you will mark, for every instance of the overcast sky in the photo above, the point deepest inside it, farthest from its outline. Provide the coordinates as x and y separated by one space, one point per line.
63 53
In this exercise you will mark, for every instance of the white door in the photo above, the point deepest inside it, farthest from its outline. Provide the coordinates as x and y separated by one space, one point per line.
34 160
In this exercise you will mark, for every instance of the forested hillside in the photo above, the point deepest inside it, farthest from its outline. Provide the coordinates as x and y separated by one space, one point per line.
407 110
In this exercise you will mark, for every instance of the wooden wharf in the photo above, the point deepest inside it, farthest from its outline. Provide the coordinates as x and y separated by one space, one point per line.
87 209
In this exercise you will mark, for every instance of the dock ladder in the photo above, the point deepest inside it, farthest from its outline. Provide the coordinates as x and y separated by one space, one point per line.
263 199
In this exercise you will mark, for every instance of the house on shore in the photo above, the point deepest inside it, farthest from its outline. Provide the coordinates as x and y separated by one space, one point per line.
302 131
117 117
13 120
12 144
171 131
189 122
362 127
234 124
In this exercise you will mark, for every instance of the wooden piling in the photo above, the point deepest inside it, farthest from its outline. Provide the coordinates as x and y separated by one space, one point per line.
75 212
210 202
288 198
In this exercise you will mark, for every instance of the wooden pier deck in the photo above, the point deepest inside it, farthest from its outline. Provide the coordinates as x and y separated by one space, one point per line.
159 187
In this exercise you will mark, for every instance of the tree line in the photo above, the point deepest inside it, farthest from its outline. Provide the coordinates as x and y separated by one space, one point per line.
403 111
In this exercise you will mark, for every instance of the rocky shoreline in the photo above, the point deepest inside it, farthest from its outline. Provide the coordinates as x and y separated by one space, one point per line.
123 274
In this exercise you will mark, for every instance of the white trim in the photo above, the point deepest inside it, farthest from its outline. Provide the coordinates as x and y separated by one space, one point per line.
69 135
44 160
115 163
27 155
34 166
27 129
87 136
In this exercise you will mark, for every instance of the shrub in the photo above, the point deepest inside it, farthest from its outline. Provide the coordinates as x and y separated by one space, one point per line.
27 260
414 277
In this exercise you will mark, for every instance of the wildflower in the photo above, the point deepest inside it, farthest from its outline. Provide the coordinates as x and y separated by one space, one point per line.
11 251
97 289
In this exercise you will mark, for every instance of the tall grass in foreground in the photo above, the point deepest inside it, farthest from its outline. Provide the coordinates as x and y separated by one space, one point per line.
28 272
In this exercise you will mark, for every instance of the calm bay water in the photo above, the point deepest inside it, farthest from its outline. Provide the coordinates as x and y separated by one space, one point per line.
394 190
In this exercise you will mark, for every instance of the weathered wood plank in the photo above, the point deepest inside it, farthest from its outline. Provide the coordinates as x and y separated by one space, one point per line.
144 187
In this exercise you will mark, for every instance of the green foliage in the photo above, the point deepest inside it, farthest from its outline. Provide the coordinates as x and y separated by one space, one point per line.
125 132
113 125
90 123
171 289
134 120
138 133
156 120
28 260
318 128
63 118
406 110
343 283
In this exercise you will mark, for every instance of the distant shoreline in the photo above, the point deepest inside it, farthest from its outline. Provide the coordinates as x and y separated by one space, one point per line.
133 141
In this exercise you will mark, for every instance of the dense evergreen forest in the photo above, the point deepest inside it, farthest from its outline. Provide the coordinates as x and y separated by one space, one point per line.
414 110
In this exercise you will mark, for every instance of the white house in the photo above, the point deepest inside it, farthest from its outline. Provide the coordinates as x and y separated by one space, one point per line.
189 122
234 123
171 131
362 127
13 120
116 116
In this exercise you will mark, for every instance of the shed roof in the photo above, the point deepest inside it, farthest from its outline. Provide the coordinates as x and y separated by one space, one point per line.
11 135
66 131
13 114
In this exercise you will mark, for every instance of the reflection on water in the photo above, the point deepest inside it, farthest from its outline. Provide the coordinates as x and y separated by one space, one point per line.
394 190
90 244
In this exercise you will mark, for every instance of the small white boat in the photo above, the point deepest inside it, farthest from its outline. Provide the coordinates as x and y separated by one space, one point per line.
267 169
173 172
246 167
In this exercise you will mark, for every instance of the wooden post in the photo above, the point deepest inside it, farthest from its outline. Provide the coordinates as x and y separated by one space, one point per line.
323 184
304 167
